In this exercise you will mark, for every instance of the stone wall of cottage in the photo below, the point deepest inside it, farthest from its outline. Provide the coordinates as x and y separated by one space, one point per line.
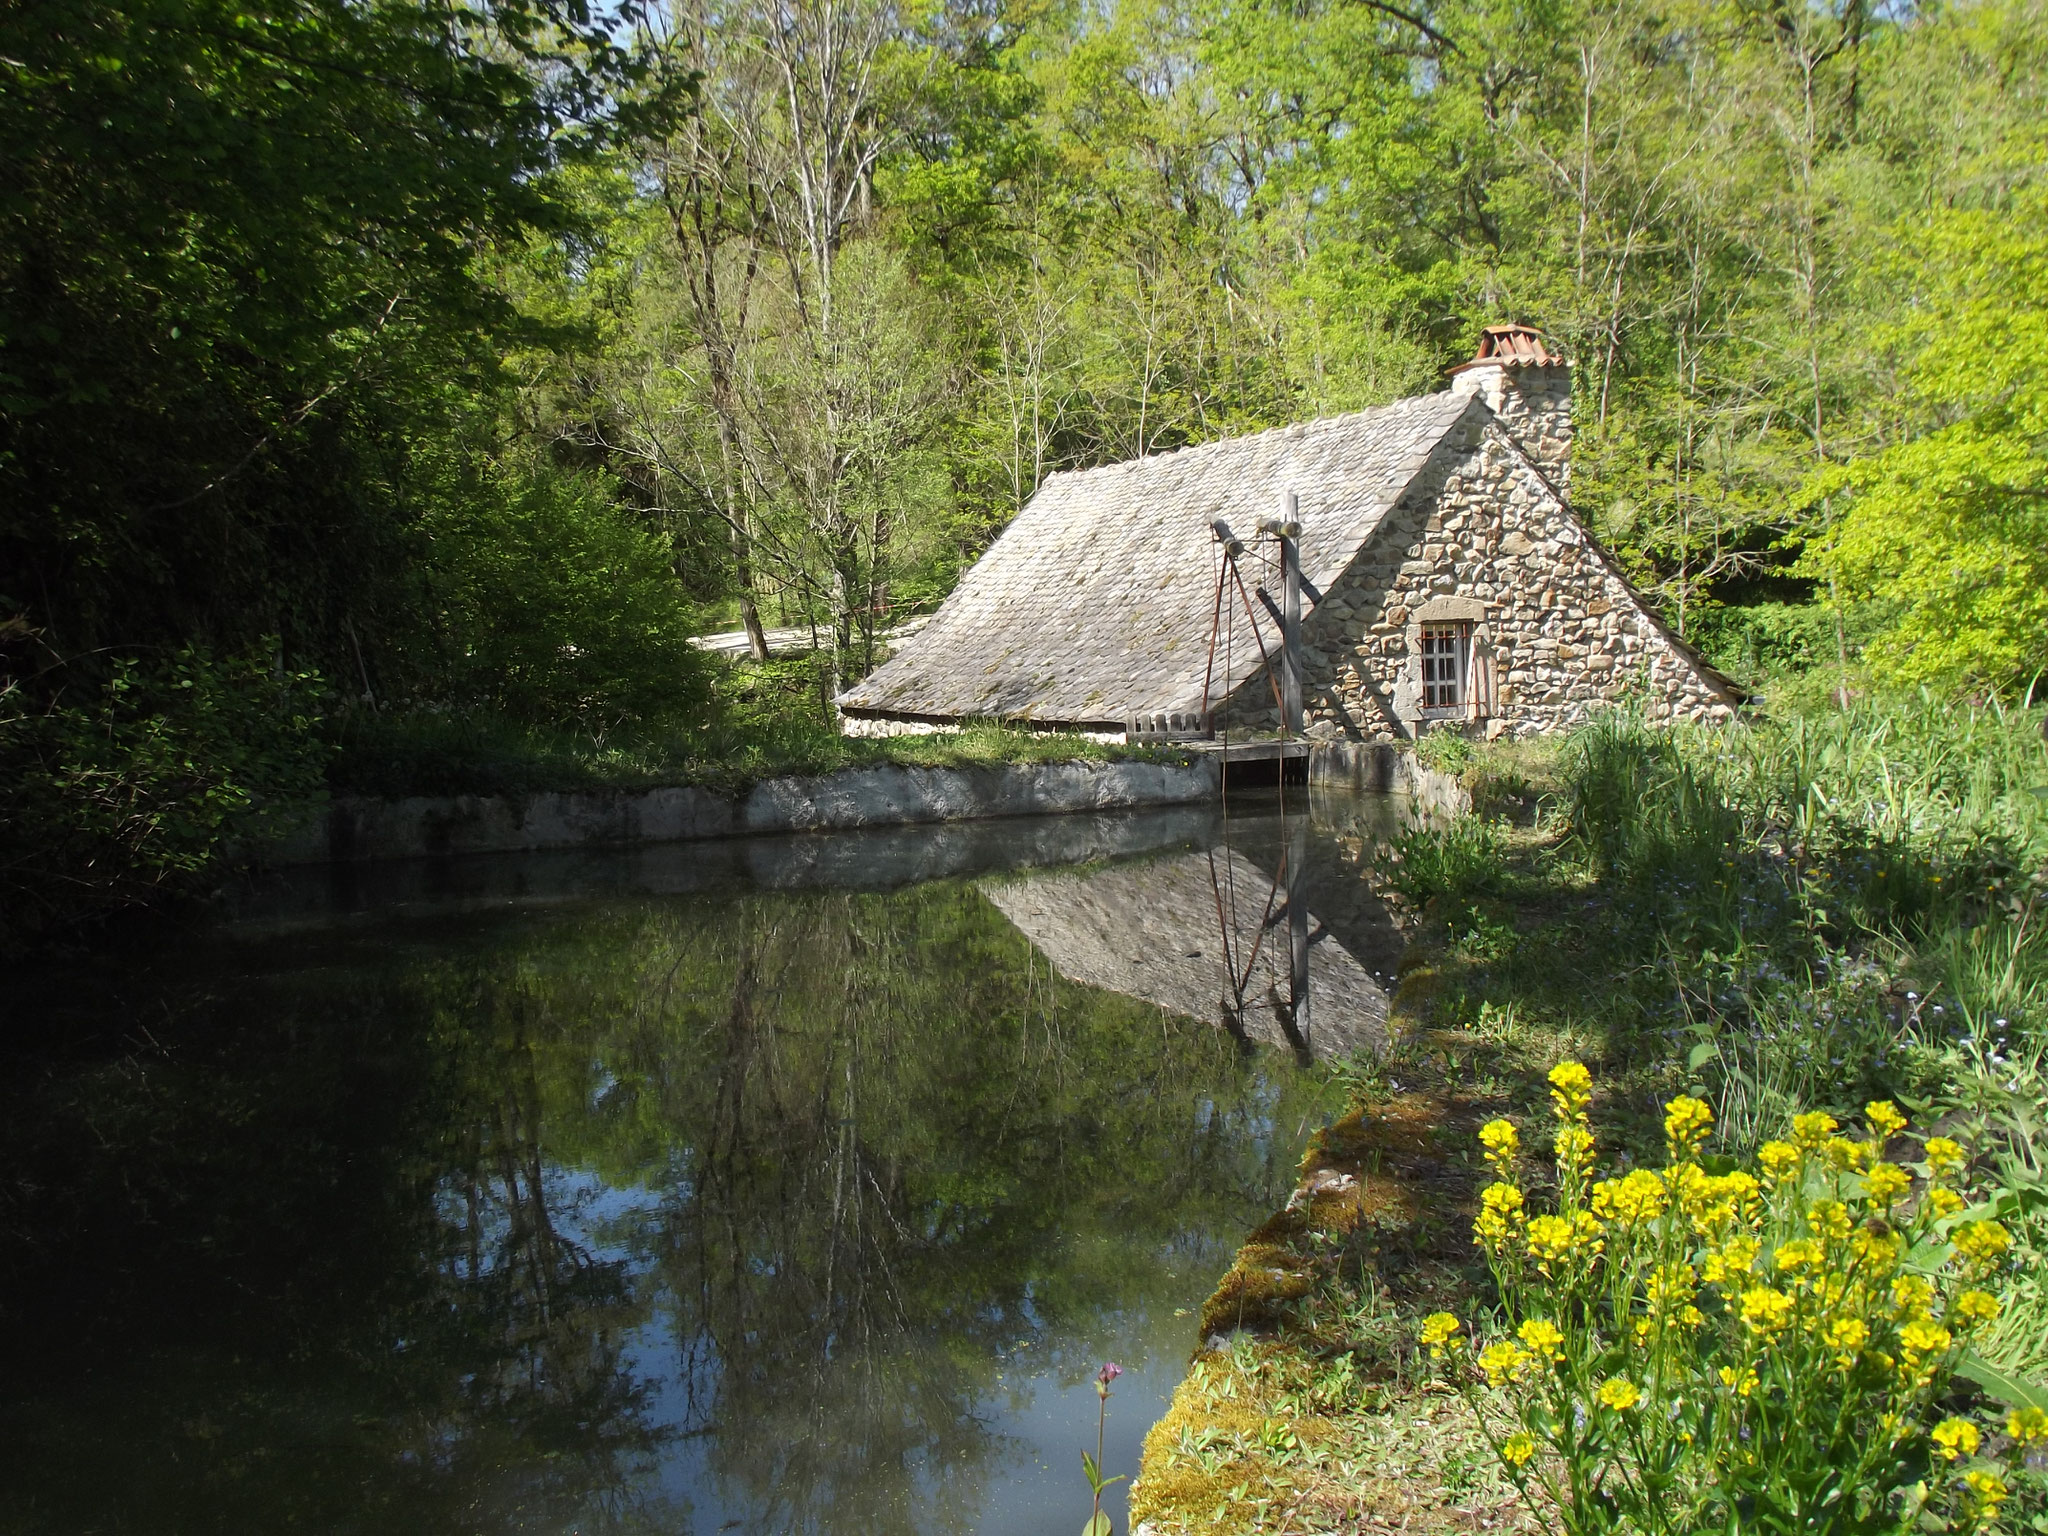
1479 538
1534 402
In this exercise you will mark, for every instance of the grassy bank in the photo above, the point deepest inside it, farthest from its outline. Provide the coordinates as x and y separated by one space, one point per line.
761 722
1800 915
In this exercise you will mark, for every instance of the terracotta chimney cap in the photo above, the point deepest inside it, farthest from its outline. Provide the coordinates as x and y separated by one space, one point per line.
1512 346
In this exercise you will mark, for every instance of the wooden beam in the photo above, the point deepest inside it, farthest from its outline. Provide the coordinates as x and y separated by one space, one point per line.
1288 531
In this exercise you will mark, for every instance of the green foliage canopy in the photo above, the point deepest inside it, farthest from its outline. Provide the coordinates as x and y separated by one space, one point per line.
1951 524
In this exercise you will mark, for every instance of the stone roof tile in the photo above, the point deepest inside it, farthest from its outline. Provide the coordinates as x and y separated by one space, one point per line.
1096 603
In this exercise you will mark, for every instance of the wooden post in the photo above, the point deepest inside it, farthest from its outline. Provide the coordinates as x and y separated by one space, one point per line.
1287 529
1299 1020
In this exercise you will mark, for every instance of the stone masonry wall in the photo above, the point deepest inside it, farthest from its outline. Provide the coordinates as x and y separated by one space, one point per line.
1535 404
1480 537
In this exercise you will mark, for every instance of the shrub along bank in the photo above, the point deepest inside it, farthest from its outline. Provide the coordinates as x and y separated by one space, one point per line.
1799 917
138 798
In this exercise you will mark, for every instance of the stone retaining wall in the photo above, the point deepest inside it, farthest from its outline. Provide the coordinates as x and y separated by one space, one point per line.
357 828
1381 768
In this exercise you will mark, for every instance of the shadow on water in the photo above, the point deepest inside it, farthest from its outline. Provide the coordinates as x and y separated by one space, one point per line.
788 1185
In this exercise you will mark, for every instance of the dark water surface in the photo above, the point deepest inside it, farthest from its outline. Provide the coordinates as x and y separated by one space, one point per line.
796 1185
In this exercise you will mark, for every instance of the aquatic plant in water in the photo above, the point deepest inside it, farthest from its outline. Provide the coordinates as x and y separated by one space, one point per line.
1713 1346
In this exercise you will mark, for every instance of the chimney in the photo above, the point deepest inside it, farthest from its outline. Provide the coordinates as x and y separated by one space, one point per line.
1529 387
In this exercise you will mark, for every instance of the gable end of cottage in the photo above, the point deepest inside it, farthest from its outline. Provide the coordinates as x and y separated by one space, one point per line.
1481 603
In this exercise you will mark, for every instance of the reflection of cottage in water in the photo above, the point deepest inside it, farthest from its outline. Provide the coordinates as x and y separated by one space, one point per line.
1209 936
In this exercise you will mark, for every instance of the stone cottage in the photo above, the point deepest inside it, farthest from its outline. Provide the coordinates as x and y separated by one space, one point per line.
1443 578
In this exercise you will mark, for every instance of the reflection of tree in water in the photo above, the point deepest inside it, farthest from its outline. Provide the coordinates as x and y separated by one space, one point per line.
914 1146
544 1317
500 1220
302 1261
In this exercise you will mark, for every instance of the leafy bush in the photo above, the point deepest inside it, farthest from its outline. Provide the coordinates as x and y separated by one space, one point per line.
1457 860
1446 749
543 602
1720 1348
137 787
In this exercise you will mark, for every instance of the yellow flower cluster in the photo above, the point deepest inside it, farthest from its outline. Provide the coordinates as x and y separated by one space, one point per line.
1502 1142
1555 1239
2028 1427
1500 1216
1943 1155
1846 1336
1618 1393
1686 1123
1982 1245
1440 1333
1504 1362
1765 1311
1637 1198
1987 1492
1955 1437
1805 1254
1571 1091
1545 1341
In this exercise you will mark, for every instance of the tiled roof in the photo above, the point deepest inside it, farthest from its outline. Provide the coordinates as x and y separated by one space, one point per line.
1513 346
1096 603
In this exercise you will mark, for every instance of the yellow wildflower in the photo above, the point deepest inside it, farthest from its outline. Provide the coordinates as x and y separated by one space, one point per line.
1977 1307
1846 1336
1766 1311
1920 1338
1574 1148
2027 1426
1551 1238
1954 1437
1742 1384
1670 1293
1779 1160
1588 1234
1980 1245
1499 1214
1848 1156
1800 1253
1731 1261
1739 1190
1943 1155
1543 1338
1877 1249
1517 1449
1686 1123
1637 1198
1912 1297
1884 1117
1885 1183
1504 1362
1618 1393
1987 1492
1811 1130
1829 1218
1944 1202
1571 1091
1439 1332
1502 1142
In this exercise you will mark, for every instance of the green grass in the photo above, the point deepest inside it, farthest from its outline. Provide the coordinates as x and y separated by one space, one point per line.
1806 912
762 722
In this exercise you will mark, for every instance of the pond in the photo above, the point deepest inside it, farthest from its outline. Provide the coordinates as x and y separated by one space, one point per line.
794 1185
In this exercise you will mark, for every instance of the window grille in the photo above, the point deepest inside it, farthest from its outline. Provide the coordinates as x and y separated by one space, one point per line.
1446 659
